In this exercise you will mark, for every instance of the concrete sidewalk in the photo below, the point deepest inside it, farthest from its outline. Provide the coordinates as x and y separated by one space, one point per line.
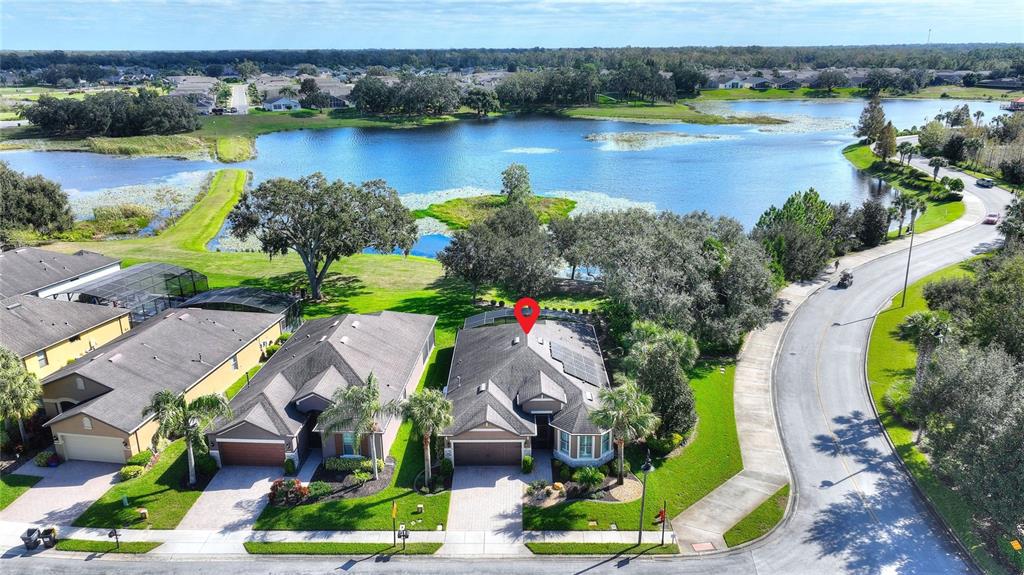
765 470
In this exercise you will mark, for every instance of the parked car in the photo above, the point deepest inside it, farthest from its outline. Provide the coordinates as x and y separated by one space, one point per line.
233 110
991 219
985 183
846 279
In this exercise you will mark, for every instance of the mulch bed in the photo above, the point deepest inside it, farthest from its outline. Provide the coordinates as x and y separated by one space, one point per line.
344 486
574 492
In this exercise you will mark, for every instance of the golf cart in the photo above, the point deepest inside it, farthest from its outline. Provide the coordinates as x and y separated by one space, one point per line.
846 279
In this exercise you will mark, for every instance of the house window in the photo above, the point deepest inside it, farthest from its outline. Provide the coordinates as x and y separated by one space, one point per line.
234 362
79 383
563 442
606 442
586 446
41 358
87 423
348 443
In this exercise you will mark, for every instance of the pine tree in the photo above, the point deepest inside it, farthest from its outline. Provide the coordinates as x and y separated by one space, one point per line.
872 121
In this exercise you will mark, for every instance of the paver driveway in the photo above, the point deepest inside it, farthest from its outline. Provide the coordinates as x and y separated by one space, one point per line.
62 494
234 499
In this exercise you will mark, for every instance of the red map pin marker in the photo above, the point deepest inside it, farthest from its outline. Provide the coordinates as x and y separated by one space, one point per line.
526 311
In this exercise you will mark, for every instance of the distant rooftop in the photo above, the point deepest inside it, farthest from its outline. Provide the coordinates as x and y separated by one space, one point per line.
29 270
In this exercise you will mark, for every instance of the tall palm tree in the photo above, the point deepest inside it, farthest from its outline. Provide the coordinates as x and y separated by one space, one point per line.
902 203
925 330
188 419
936 163
356 409
905 149
626 412
917 208
430 412
19 391
978 115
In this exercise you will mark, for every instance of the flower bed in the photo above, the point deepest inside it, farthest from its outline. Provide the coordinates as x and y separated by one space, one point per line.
346 484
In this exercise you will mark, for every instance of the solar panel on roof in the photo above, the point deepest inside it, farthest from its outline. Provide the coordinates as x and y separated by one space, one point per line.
575 364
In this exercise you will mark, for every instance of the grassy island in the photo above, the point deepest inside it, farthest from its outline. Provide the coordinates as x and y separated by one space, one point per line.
458 213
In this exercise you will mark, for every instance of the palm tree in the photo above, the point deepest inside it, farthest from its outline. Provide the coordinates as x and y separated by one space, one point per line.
917 208
905 149
978 115
188 419
356 409
19 391
936 163
926 330
902 203
430 412
626 412
288 92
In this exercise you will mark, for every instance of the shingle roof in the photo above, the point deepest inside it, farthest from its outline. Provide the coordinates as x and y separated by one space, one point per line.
29 323
28 270
327 354
172 351
491 376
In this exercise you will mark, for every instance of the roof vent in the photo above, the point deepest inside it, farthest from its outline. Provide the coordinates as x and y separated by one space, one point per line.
515 340
14 305
540 340
183 316
323 337
482 387
336 322
114 357
355 324
344 339
590 396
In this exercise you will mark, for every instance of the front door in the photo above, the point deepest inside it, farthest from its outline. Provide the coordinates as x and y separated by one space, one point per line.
544 432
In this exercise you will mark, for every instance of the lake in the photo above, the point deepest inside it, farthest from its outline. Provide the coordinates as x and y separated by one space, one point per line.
735 170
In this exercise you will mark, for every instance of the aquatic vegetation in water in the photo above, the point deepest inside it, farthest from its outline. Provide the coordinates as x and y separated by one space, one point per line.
431 226
637 141
587 201
795 123
172 196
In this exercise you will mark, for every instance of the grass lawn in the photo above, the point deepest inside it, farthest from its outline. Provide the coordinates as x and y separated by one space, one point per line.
134 547
240 383
712 457
458 213
175 145
911 181
13 486
679 112
965 93
328 548
602 549
760 520
160 490
776 94
234 148
891 364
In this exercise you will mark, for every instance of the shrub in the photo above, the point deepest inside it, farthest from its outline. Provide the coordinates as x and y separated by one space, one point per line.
289 466
343 463
42 458
895 400
536 487
362 476
660 446
588 477
365 465
131 472
270 350
556 463
206 465
527 464
565 473
285 336
447 467
318 489
141 458
287 492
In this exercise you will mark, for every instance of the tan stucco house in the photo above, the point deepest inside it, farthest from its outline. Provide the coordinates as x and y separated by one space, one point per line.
95 404
512 393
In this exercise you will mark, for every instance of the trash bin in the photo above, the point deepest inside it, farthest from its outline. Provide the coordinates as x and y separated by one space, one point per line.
49 536
31 538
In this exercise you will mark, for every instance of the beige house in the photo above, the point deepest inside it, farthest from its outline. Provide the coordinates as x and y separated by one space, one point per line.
48 334
95 405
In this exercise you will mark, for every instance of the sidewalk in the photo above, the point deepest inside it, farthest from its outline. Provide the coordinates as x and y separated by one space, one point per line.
765 470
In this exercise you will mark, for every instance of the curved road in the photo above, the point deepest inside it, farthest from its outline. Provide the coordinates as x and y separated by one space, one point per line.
854 510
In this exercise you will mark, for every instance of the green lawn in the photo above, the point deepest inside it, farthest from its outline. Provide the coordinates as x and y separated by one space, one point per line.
458 213
234 148
240 383
85 545
602 549
328 548
175 145
760 520
708 461
911 181
891 365
776 94
12 486
160 490
965 93
679 112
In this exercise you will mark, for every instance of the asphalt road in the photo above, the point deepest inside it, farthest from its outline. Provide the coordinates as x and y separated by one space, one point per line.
240 98
855 511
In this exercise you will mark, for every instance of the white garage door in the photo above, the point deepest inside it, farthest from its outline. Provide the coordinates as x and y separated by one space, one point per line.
93 448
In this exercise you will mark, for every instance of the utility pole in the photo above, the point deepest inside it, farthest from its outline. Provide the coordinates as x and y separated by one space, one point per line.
929 36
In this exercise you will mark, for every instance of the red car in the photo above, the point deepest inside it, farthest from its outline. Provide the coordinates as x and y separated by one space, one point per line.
992 218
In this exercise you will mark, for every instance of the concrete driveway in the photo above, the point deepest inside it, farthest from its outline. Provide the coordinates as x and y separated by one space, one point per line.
62 494
233 500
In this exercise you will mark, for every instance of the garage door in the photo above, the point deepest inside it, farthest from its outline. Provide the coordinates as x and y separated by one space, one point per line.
93 448
232 453
503 453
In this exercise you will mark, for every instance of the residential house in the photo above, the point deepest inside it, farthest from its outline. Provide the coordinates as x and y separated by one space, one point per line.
757 83
729 82
1002 83
95 404
514 393
275 417
789 84
43 273
282 105
48 334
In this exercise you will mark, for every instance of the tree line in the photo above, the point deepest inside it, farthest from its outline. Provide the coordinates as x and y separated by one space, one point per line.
415 95
932 56
114 113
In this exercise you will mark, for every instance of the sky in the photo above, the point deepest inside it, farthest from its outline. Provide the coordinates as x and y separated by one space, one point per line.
339 24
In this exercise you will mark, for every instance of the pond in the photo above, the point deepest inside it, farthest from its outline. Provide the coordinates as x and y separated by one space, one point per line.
734 170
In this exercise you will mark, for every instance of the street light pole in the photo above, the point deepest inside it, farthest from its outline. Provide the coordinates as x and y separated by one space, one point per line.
643 499
906 275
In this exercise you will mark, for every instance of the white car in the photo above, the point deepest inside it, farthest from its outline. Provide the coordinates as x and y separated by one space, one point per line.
991 219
